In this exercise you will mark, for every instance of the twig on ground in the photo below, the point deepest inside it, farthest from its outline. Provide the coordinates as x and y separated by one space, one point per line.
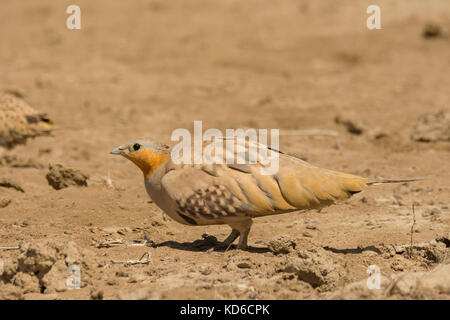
109 243
412 231
10 248
145 259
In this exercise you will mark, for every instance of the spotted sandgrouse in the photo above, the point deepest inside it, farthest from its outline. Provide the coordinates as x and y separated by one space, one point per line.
234 194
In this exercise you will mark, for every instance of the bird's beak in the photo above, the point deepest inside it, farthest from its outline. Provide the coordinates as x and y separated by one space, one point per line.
116 151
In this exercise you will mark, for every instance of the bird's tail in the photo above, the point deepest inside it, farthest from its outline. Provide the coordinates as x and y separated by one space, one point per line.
371 183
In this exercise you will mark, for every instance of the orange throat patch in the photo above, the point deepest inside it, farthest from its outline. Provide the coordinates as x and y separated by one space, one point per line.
147 160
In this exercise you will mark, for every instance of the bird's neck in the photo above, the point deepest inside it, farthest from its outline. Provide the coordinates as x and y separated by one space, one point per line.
148 161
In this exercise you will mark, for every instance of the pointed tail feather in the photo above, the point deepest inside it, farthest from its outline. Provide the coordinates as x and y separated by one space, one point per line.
392 181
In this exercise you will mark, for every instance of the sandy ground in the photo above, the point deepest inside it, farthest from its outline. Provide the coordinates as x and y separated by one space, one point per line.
144 68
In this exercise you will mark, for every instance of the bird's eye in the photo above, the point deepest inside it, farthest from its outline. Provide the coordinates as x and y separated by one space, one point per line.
136 146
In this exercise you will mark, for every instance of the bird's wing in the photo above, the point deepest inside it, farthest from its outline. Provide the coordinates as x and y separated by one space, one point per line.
218 190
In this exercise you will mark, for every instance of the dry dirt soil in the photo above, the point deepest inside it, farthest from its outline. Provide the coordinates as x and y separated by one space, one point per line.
144 68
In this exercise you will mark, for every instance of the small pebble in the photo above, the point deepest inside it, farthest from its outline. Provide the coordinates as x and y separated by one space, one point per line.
96 294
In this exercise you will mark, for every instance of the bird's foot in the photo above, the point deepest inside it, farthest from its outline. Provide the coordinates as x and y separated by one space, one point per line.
226 244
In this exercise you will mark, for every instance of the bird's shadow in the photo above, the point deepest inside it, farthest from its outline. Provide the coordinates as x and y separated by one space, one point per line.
205 245
353 250
210 242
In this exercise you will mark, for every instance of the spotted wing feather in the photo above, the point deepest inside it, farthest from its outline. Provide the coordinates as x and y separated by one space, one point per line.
220 191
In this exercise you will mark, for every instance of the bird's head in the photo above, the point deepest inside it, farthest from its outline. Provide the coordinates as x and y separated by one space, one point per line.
146 155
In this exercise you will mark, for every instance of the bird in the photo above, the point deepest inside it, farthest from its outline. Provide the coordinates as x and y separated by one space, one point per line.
19 121
216 192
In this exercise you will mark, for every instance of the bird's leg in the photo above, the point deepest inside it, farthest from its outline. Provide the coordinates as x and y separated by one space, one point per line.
243 229
244 236
230 239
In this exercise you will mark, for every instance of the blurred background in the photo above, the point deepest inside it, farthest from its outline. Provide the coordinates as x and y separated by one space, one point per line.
145 67
142 68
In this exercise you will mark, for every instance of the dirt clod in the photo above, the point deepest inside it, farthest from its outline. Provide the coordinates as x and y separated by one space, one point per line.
352 125
59 177
42 267
8 183
281 245
434 126
4 203
96 294
407 285
432 30
316 267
